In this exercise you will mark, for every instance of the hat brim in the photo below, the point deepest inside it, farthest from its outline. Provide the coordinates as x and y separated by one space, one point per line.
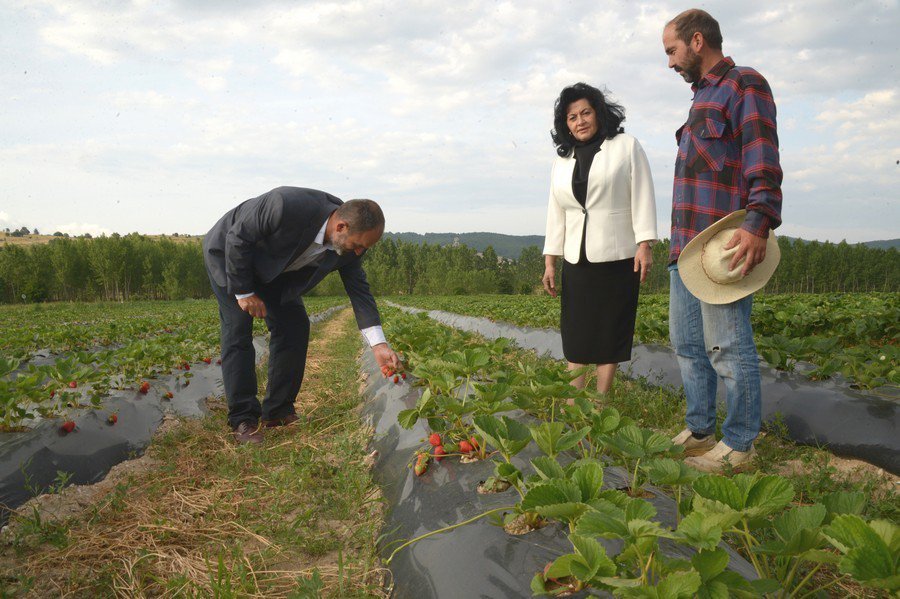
705 289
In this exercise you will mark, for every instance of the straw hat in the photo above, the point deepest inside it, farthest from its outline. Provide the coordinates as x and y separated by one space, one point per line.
703 264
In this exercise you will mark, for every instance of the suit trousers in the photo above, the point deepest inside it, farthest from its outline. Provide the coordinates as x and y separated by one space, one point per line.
288 326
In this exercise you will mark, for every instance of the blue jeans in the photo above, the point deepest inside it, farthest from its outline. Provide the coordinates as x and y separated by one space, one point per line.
712 341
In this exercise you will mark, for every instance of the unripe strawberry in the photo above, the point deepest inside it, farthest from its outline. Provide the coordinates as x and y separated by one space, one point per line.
112 419
73 384
421 464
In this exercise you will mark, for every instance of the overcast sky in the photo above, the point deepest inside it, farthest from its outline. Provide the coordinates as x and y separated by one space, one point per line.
159 116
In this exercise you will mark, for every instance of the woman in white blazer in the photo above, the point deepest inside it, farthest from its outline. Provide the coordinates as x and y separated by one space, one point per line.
602 220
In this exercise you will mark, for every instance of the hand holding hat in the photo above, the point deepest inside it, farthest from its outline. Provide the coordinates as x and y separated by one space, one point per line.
705 265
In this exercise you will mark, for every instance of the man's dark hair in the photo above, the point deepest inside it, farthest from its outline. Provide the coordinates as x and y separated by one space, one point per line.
693 20
361 215
609 115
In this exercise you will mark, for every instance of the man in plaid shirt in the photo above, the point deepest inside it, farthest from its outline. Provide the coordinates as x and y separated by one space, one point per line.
727 160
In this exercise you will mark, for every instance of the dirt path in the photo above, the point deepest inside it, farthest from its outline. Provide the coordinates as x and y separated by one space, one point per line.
199 515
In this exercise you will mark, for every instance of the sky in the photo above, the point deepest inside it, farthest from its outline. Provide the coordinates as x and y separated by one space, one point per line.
159 116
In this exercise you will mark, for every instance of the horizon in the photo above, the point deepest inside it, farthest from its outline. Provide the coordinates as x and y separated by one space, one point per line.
148 117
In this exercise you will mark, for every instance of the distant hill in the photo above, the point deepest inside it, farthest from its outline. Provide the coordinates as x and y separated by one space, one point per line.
508 246
883 244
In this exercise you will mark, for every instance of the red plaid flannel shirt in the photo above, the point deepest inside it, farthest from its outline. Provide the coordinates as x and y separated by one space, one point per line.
727 156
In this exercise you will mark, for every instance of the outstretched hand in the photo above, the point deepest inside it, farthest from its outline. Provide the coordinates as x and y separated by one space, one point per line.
749 246
385 356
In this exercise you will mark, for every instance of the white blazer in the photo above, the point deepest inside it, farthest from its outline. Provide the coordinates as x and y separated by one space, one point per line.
620 207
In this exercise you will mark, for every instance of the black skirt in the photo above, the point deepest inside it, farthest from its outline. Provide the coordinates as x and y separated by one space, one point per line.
598 310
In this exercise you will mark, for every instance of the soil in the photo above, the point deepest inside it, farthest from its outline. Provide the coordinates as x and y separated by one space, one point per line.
518 526
497 486
848 469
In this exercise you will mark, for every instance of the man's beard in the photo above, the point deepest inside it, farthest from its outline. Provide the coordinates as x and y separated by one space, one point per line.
338 243
690 72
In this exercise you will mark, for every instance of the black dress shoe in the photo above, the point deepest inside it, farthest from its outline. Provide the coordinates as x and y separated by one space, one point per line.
283 421
248 432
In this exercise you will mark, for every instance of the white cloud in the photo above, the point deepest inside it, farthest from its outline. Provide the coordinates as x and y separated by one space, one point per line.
158 116
81 228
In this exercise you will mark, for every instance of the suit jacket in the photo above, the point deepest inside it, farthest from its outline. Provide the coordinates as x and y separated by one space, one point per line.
620 207
253 243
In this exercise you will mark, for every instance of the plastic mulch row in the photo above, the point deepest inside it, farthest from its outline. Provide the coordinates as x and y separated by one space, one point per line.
828 414
479 559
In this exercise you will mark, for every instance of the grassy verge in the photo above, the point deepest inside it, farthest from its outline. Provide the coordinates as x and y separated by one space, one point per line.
297 516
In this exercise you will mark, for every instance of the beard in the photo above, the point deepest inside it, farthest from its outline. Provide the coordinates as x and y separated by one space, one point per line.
690 70
338 242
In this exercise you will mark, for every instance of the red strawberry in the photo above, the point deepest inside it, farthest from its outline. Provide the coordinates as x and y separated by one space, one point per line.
168 395
396 379
68 426
207 360
145 387
73 384
219 361
403 375
112 419
434 439
473 442
52 393
465 447
439 453
421 464
186 366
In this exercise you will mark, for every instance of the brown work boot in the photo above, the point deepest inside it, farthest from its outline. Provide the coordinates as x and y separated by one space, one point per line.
283 421
714 461
248 432
693 446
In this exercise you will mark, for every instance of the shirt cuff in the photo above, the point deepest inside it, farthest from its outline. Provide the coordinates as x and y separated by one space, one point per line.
243 295
374 335
757 223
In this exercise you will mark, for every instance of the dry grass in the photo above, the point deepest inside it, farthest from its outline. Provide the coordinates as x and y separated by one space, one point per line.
216 519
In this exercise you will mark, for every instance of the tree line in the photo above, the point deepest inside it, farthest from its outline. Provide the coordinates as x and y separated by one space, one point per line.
120 268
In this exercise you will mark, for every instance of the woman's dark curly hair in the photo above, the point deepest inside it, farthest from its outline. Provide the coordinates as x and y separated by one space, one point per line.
609 115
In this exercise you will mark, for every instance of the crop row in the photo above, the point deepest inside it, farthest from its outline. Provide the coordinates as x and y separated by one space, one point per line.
857 335
472 393
101 346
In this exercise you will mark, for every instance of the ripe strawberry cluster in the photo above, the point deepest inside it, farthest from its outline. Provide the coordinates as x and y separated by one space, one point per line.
441 449
389 373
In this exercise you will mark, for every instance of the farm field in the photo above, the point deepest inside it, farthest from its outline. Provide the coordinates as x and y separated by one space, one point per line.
472 391
198 516
856 335
98 346
304 501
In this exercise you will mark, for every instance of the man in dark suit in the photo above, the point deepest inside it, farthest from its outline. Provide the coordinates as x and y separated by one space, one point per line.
261 257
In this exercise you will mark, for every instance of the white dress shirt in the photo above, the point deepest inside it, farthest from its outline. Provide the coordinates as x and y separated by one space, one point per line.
312 255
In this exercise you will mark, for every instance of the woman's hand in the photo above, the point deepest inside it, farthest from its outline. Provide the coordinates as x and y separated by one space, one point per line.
549 278
643 260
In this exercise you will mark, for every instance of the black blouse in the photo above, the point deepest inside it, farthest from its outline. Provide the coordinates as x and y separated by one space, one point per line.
584 157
